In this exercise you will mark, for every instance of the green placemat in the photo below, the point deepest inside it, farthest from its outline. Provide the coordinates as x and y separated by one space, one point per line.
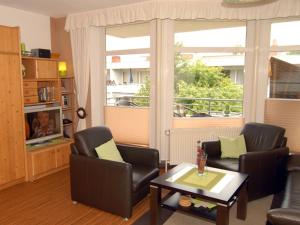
204 182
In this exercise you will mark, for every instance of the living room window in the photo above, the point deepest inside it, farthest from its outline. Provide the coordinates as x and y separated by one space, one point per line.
128 82
209 68
284 60
128 65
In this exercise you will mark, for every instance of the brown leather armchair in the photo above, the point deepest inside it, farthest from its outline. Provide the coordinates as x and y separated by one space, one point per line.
108 185
264 162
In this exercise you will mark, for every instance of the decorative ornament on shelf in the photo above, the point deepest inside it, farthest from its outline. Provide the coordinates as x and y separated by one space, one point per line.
23 70
62 69
245 3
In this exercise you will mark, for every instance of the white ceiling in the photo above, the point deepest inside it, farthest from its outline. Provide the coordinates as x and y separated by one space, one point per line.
60 8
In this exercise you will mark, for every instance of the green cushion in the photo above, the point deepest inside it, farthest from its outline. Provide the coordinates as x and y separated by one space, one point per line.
233 147
109 151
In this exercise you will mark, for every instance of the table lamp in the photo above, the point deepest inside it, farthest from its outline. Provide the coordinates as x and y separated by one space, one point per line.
62 69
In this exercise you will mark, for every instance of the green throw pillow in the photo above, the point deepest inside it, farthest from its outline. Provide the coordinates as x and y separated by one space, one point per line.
233 147
109 151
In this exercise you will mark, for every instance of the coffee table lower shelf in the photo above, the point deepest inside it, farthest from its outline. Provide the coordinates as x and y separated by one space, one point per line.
172 203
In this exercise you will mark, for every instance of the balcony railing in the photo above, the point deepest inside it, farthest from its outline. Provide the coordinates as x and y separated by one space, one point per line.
188 107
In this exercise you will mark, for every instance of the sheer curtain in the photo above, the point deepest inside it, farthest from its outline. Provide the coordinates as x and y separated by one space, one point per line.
164 85
88 47
97 73
80 52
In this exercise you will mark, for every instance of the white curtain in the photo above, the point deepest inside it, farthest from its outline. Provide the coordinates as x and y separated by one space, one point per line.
179 9
97 79
80 52
165 85
88 48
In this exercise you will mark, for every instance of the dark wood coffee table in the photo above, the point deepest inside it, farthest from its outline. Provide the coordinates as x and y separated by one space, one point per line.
224 191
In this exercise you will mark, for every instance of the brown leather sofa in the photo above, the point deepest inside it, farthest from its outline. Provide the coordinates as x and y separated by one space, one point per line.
108 185
285 209
264 162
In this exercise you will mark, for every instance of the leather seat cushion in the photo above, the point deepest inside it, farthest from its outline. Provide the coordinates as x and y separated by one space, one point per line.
291 197
142 175
226 164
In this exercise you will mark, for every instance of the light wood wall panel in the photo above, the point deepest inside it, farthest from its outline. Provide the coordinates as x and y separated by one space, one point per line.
61 42
285 113
12 143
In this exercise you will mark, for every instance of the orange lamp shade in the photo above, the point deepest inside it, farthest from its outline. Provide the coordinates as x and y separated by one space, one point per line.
62 69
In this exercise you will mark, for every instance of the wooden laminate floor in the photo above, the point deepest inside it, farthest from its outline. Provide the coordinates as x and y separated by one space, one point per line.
48 201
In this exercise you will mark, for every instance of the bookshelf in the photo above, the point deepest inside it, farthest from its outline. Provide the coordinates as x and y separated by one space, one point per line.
68 105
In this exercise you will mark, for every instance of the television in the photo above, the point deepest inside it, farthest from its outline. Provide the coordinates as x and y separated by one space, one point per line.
43 123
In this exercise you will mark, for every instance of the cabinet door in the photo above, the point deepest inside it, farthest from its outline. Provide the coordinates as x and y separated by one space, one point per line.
12 154
47 69
63 155
43 161
9 39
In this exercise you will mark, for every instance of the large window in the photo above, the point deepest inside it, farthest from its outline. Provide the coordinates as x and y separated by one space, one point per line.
209 68
285 60
128 65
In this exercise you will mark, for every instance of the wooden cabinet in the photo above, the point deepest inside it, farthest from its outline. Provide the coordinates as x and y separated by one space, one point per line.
12 153
63 156
46 69
9 40
32 87
43 161
40 68
30 92
49 159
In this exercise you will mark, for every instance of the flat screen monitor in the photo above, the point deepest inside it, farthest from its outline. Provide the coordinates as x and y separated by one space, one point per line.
43 123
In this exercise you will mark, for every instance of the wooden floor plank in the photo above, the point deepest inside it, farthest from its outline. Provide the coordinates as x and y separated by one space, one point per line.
47 201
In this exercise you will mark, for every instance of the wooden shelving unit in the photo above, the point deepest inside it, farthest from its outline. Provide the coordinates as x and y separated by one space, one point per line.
42 86
40 76
68 104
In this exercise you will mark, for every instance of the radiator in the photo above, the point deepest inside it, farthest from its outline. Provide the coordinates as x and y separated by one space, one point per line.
183 142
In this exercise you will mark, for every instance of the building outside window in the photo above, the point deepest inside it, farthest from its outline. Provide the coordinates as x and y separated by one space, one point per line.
128 65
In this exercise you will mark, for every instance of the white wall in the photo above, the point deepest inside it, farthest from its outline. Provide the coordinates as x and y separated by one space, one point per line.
35 28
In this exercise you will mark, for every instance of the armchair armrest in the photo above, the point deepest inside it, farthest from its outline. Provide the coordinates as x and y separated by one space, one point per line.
266 170
294 162
212 149
284 216
102 183
250 160
139 155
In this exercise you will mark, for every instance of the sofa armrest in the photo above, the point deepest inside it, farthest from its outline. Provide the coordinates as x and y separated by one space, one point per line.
294 162
284 216
212 149
102 183
139 155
